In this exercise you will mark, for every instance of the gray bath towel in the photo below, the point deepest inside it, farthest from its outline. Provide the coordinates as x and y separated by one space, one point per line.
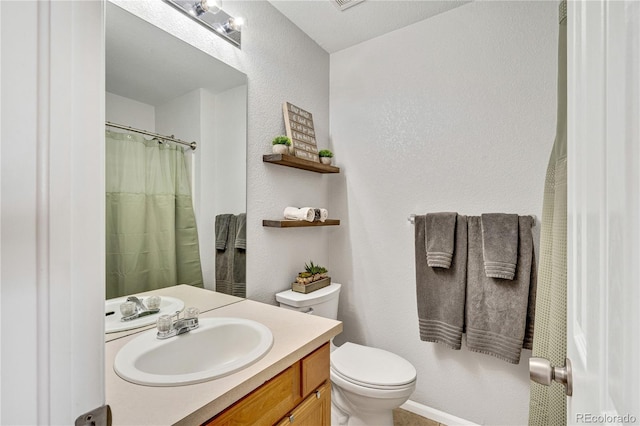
500 244
441 292
241 232
222 230
498 315
440 239
231 264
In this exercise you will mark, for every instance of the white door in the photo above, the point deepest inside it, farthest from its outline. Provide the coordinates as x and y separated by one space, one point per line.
51 211
603 308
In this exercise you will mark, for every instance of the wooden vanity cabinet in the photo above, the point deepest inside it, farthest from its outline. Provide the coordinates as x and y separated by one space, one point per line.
299 395
313 411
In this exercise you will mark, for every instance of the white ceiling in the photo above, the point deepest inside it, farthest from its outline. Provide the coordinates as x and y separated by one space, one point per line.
335 30
151 66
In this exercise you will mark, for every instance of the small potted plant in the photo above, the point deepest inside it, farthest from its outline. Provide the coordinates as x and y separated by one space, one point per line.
325 156
280 145
313 278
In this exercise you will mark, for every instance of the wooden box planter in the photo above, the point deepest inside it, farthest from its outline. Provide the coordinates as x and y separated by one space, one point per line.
313 286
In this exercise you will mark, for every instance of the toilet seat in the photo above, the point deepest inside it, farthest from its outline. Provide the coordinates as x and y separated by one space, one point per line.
341 377
372 368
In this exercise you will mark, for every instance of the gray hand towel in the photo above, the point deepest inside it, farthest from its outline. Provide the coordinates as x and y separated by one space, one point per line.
440 239
531 309
498 312
441 292
222 230
241 231
231 275
500 244
225 257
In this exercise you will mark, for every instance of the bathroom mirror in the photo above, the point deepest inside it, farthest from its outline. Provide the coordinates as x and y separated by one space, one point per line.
160 84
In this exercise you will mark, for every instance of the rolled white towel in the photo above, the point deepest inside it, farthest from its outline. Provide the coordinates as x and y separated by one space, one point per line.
305 213
319 214
324 214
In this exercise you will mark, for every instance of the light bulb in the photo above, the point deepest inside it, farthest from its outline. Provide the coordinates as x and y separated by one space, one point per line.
234 24
201 7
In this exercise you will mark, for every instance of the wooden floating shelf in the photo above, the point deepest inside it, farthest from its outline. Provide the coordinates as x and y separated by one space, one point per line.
298 223
299 163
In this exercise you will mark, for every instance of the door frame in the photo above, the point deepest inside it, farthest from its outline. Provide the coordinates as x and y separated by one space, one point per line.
51 206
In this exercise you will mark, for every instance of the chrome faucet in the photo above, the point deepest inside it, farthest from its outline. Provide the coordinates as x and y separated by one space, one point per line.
167 327
140 310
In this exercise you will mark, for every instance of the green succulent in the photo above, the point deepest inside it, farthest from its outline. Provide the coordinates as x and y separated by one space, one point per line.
281 140
325 153
314 269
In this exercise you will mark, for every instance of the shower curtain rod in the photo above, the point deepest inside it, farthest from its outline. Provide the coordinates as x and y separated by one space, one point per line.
192 145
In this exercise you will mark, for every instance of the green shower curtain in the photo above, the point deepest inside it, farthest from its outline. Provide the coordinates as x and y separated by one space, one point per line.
151 235
547 404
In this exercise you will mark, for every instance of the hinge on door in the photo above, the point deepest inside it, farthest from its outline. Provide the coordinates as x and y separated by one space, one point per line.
101 416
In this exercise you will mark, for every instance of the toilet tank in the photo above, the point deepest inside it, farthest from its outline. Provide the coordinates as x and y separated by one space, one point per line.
323 302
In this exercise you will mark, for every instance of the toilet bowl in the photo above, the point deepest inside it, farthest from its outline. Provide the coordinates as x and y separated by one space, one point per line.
367 383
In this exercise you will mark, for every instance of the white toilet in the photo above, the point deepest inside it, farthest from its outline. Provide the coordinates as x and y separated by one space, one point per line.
367 383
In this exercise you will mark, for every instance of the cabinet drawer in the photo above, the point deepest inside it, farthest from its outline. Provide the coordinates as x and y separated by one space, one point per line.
315 369
315 410
267 404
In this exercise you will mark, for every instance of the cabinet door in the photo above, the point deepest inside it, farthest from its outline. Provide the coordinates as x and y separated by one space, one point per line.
265 405
315 410
315 369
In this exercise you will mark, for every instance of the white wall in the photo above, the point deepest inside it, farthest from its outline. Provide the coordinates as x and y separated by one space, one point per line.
274 255
455 113
129 112
230 120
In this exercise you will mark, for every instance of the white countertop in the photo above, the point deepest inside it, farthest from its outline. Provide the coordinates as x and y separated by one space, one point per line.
295 336
204 300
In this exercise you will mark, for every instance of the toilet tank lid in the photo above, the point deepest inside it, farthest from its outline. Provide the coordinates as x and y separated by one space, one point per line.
301 300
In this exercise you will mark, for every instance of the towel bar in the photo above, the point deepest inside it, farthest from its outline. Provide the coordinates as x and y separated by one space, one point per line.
412 219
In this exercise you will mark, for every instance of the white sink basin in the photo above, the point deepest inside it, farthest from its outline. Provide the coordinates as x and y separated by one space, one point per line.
218 347
112 323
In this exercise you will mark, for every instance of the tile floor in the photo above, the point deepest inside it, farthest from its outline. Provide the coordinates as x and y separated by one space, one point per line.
406 418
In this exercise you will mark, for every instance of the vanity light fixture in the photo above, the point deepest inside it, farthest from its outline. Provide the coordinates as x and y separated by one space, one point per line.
210 14
203 6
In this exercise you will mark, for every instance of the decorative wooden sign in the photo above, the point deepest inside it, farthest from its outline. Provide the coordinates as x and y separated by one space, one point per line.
299 127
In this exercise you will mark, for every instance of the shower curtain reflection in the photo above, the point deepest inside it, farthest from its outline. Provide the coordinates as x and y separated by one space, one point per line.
151 235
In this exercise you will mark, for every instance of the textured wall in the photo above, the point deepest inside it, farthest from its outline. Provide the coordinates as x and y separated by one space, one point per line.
455 113
282 64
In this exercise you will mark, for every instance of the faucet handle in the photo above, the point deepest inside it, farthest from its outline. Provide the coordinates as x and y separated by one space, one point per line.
152 302
165 323
191 313
128 308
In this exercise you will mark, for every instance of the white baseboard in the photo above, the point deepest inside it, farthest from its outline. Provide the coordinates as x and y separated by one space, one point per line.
435 415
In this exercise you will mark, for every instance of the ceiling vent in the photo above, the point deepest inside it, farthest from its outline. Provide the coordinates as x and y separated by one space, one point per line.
345 4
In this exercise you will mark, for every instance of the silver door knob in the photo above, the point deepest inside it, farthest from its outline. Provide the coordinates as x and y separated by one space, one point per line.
541 371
